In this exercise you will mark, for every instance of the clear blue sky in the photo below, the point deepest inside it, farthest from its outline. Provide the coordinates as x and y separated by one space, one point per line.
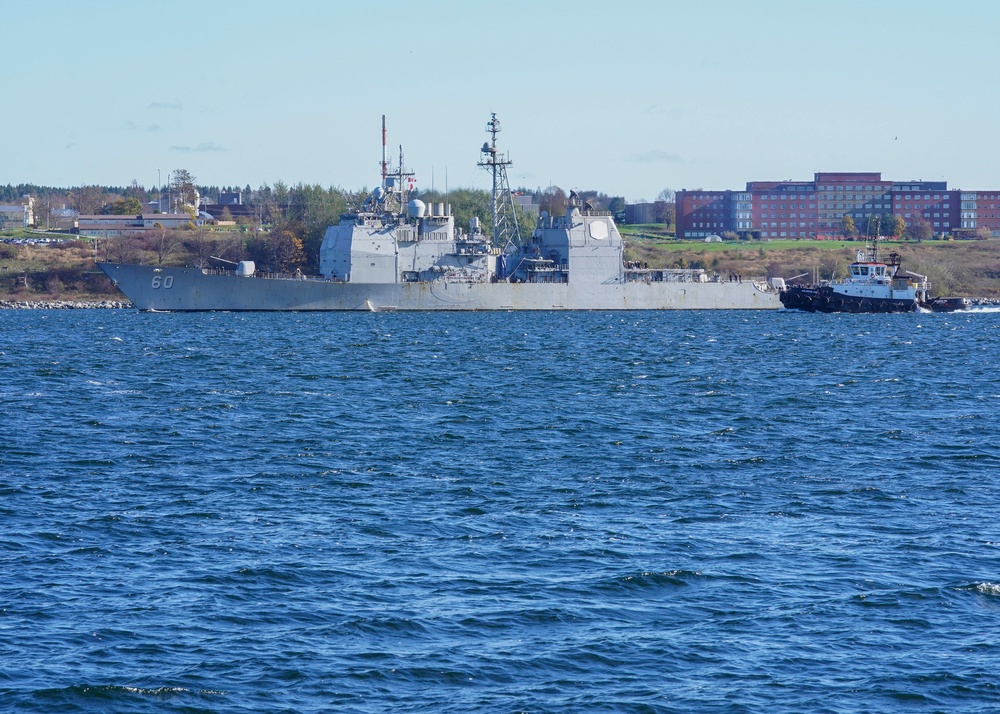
625 97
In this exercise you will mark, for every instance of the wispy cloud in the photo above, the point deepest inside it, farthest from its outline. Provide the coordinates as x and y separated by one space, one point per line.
165 105
153 127
655 156
202 147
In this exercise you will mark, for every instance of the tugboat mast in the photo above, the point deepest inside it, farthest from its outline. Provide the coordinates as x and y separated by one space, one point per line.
505 228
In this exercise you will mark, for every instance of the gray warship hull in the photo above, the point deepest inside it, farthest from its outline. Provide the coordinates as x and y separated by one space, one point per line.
193 289
395 253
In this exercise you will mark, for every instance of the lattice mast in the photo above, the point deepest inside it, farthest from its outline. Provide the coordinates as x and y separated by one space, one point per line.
505 228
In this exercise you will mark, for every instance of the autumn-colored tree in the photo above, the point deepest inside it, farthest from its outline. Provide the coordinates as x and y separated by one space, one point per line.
891 225
847 227
278 250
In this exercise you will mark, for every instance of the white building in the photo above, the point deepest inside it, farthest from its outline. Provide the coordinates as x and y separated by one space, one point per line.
19 215
104 226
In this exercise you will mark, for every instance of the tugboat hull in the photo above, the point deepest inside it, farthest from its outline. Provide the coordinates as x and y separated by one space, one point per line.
825 299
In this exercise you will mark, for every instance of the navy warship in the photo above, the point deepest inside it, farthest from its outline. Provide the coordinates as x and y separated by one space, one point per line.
402 254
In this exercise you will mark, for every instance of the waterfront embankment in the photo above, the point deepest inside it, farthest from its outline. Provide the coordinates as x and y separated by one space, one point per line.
64 304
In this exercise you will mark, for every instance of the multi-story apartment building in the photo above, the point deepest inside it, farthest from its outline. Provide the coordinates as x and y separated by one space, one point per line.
816 209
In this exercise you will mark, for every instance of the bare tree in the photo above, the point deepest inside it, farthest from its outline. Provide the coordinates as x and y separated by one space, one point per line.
919 229
182 188
121 249
667 195
163 241
136 191
554 201
87 199
200 246
43 211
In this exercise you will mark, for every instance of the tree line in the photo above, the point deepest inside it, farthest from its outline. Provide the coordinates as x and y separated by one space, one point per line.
889 225
280 226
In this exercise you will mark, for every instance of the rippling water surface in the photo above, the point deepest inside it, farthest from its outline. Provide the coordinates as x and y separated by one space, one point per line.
663 512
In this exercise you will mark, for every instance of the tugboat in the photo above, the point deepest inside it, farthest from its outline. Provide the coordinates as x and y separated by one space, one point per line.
872 286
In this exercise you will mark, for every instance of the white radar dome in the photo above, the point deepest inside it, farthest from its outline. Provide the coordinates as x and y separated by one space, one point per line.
416 208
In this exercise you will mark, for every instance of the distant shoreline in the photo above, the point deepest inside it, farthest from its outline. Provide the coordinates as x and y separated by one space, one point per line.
65 305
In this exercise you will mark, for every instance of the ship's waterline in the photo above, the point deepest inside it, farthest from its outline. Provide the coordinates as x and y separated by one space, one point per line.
192 289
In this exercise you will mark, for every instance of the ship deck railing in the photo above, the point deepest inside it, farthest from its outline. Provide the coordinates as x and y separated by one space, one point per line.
267 275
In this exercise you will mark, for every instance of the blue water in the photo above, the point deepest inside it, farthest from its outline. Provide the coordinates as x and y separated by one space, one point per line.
636 512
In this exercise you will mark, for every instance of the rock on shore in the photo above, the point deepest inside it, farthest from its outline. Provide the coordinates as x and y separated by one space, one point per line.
64 304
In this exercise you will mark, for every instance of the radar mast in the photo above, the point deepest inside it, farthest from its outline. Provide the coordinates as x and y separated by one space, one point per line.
505 228
391 196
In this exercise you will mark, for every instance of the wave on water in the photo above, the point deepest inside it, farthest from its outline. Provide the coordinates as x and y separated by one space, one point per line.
462 512
991 589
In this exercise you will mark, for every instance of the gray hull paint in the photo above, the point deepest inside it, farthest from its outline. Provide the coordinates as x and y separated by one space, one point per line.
191 289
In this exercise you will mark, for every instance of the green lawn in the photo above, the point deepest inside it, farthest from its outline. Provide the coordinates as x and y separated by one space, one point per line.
682 246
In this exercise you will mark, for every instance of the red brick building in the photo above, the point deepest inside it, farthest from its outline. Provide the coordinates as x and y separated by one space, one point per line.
816 209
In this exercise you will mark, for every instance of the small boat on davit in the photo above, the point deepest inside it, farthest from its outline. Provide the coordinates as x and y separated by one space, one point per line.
871 286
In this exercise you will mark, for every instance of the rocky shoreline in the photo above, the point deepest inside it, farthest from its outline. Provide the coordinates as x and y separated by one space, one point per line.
65 305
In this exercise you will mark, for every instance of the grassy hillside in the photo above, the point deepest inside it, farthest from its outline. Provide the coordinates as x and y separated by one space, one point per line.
66 268
970 268
57 271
